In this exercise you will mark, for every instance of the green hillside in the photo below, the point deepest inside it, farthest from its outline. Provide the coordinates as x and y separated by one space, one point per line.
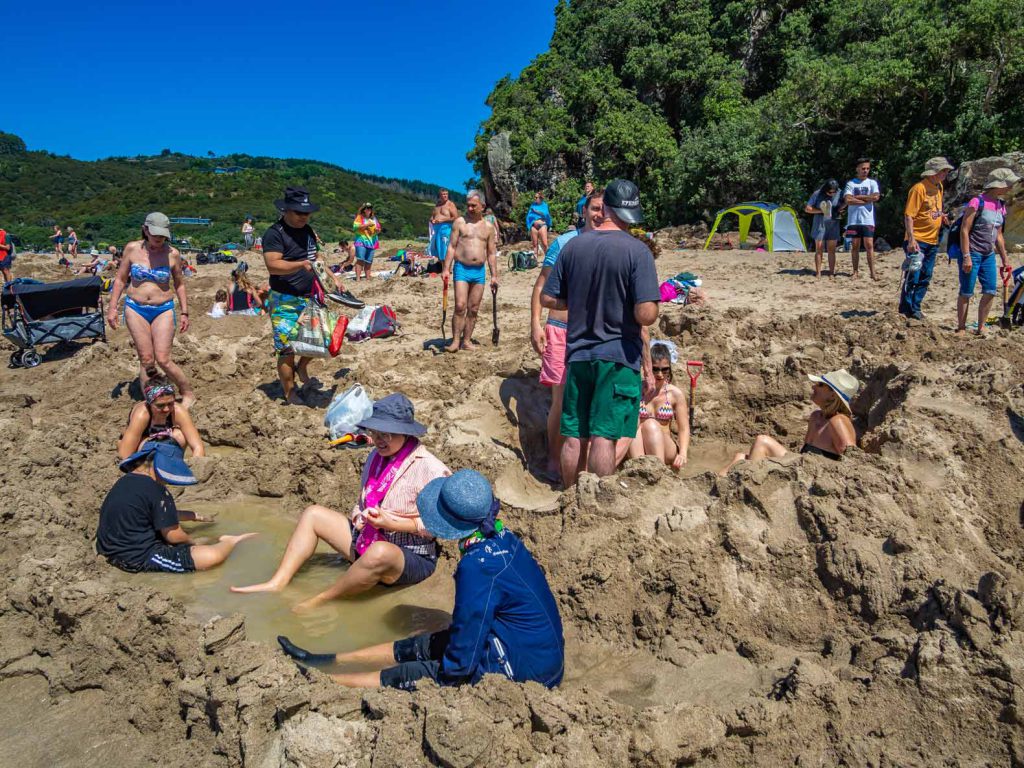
106 200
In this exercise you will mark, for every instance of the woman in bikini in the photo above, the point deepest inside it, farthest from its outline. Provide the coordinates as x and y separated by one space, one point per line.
150 276
654 435
159 418
829 429
243 296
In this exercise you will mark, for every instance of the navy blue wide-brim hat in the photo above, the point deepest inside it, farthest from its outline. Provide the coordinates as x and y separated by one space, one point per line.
393 414
168 463
453 507
296 199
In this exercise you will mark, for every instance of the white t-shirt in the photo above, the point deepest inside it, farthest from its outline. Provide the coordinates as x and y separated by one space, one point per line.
861 214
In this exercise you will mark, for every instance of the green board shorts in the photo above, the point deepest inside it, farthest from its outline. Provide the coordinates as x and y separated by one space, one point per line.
601 399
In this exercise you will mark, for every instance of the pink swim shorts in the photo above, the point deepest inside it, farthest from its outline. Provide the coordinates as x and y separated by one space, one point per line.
552 365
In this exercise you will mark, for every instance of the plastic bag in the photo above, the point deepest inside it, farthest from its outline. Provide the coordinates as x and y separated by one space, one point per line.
348 409
313 332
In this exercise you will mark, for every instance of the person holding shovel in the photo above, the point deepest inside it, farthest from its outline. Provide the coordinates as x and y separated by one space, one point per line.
473 245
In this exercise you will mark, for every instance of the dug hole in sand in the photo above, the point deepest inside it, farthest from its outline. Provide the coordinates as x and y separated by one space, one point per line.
797 612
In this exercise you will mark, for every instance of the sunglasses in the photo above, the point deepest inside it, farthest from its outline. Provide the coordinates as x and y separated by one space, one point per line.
302 213
666 369
381 436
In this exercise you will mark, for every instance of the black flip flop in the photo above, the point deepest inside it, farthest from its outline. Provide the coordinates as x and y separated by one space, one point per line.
346 298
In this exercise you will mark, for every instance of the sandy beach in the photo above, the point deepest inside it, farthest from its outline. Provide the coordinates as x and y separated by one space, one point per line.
797 612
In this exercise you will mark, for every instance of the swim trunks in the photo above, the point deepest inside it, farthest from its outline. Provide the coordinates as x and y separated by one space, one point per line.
865 231
602 399
285 311
165 558
148 312
552 365
439 240
470 274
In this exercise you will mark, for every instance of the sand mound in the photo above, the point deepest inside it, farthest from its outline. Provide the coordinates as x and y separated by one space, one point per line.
797 612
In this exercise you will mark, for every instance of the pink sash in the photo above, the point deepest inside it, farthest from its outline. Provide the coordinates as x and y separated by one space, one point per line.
378 483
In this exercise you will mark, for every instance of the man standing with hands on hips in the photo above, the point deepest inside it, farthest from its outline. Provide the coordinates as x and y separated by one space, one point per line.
606 280
923 219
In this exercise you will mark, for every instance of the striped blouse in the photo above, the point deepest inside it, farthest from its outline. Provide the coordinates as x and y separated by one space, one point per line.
419 468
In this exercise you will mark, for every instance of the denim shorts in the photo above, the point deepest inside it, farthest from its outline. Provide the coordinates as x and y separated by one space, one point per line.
364 254
983 270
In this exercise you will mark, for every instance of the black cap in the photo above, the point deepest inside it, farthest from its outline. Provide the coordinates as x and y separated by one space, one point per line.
624 199
296 199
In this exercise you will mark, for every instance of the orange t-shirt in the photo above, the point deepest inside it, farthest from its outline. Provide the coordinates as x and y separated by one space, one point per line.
925 211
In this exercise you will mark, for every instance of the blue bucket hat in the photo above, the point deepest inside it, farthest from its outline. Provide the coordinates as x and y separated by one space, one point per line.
454 507
393 414
168 463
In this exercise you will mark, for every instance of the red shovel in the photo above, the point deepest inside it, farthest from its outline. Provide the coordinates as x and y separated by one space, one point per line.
694 368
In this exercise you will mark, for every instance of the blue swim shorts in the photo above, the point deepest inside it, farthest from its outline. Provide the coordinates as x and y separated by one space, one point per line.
472 274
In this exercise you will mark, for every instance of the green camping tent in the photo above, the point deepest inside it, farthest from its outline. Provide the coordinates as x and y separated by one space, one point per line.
781 228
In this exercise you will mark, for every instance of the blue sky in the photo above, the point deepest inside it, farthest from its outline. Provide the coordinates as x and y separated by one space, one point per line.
396 89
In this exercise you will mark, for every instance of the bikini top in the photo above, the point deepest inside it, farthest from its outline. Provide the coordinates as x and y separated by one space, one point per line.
665 413
158 431
159 275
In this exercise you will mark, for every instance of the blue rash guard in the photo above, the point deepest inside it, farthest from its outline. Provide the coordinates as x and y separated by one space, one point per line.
505 622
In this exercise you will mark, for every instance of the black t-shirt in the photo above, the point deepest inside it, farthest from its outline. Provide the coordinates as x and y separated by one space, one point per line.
603 275
294 245
131 517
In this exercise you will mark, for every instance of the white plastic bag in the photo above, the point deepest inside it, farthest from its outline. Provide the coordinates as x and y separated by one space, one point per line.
348 409
359 326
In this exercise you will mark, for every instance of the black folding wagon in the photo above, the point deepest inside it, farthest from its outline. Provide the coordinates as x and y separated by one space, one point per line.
36 314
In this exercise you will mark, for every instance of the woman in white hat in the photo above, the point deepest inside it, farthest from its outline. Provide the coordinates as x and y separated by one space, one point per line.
829 429
150 278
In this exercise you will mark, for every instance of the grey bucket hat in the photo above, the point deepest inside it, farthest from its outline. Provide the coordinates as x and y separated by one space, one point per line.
393 414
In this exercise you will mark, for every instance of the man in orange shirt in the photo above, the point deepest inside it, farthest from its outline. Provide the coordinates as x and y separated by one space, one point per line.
923 219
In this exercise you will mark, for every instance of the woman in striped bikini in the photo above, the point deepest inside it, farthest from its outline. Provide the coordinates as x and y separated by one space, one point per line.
654 435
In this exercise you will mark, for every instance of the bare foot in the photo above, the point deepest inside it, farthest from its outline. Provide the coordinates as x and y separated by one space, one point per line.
294 398
855 275
468 345
306 605
875 278
188 400
453 347
980 333
266 586
960 332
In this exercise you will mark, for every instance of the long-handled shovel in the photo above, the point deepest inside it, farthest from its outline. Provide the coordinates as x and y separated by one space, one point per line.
694 368
444 311
494 315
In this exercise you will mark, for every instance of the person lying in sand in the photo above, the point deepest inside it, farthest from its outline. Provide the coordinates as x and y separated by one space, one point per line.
471 250
829 429
383 536
657 411
139 523
160 418
505 620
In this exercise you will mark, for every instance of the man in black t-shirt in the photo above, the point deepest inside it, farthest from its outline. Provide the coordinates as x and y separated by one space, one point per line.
139 523
606 280
289 250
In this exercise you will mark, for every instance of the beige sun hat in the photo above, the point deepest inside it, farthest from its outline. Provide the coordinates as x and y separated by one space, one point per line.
158 225
936 165
842 382
1001 177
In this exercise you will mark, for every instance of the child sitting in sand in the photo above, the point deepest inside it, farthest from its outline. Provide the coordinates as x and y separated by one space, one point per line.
220 304
829 429
139 523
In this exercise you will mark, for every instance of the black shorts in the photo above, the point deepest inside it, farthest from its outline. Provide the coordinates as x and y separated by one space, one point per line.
166 558
417 567
858 231
418 657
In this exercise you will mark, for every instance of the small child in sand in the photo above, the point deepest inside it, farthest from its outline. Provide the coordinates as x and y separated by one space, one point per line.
139 526
220 304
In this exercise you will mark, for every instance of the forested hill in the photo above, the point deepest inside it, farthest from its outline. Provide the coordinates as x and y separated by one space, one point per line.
107 200
709 102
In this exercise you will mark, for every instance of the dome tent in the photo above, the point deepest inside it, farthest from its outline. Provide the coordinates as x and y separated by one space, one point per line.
781 228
